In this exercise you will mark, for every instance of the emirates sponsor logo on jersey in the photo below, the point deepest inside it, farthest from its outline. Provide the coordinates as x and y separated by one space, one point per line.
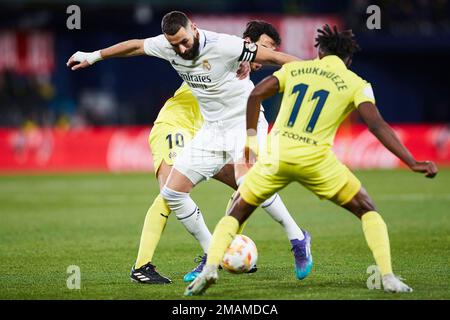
199 78
196 80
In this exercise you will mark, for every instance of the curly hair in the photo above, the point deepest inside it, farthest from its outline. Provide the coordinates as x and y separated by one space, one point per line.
340 43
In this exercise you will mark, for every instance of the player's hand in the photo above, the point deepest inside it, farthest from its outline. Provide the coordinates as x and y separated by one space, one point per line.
243 71
429 168
81 60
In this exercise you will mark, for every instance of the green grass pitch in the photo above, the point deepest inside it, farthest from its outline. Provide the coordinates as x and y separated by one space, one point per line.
49 222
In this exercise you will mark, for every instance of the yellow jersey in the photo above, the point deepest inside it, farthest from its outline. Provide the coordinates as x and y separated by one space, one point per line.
318 95
181 110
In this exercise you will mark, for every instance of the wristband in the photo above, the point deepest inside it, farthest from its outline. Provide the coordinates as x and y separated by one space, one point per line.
93 57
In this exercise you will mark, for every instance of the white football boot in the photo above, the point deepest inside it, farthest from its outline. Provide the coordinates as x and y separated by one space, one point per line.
203 281
393 284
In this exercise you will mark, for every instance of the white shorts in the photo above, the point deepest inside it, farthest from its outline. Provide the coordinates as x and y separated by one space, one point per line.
215 145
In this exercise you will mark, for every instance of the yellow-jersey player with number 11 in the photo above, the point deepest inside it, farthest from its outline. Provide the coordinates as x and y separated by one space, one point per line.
317 96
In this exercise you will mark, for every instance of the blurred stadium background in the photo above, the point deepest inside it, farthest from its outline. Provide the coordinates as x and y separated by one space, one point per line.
98 119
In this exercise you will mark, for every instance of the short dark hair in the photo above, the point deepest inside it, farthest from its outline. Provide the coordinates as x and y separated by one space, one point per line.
173 21
256 28
339 43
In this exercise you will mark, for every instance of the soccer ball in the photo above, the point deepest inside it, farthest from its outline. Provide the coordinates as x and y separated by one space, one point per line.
241 255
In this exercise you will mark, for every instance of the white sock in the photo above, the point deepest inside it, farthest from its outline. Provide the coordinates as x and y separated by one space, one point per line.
240 180
189 214
275 207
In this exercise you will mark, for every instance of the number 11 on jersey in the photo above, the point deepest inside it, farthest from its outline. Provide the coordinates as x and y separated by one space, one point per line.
320 95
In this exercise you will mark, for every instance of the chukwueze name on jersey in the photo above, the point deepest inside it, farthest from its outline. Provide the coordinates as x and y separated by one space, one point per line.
337 80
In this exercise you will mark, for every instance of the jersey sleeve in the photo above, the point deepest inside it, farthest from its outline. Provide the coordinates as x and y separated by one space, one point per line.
235 48
281 75
156 46
364 94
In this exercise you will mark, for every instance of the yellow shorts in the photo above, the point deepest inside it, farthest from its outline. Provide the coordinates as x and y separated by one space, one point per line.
166 143
327 178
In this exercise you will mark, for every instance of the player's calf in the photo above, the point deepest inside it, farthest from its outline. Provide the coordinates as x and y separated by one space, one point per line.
360 204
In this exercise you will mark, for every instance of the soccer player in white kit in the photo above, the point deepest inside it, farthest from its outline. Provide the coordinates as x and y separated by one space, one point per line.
207 62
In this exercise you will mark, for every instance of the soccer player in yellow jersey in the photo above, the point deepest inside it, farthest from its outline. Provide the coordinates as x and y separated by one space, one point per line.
175 126
317 96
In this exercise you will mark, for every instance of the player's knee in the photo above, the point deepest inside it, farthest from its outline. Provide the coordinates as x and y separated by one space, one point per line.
366 201
163 173
360 204
174 199
226 175
240 209
239 216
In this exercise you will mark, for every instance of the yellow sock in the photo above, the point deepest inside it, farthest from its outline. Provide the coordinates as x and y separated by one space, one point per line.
154 224
223 235
230 202
377 238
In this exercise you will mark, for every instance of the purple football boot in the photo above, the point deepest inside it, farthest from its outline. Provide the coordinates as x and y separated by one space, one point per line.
190 276
302 254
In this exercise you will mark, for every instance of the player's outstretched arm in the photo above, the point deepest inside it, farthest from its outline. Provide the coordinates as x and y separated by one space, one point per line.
271 57
386 135
128 48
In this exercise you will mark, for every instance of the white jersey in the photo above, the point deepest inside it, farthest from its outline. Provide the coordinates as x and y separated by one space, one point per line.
212 74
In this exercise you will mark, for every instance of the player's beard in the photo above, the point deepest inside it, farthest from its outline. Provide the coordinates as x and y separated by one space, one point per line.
192 53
